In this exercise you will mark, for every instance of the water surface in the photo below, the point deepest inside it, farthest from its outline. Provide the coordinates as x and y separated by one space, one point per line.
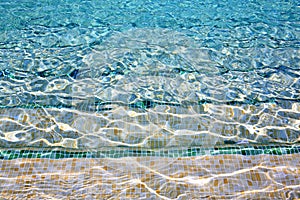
141 83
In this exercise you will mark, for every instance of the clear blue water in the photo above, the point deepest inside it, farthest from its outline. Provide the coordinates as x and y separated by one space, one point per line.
93 56
155 99
217 24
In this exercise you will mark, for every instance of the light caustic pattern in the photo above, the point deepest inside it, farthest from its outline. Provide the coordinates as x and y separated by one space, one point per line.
205 177
153 89
162 126
156 88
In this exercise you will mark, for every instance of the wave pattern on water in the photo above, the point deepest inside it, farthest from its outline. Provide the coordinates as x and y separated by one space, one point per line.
155 88
149 99
163 126
206 177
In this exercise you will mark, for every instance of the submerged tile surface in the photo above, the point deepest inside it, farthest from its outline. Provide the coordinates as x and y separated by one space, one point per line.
209 177
149 99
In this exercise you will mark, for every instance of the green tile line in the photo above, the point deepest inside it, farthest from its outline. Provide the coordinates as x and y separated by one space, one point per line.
11 154
145 104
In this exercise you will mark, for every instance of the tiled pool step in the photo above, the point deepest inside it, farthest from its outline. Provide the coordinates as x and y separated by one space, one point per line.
232 176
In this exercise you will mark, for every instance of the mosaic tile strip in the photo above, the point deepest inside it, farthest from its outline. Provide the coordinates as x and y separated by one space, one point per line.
133 152
265 177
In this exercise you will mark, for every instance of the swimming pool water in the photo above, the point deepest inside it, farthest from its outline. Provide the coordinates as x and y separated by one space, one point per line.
149 99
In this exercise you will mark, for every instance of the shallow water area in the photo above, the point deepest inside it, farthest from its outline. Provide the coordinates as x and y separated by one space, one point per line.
149 100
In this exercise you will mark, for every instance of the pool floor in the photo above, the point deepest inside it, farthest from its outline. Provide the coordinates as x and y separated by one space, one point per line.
199 177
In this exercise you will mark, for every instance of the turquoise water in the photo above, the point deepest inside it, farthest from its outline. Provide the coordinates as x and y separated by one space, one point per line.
256 39
143 57
149 99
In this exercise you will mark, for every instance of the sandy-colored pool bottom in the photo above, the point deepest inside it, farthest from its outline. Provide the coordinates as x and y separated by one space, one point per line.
200 177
